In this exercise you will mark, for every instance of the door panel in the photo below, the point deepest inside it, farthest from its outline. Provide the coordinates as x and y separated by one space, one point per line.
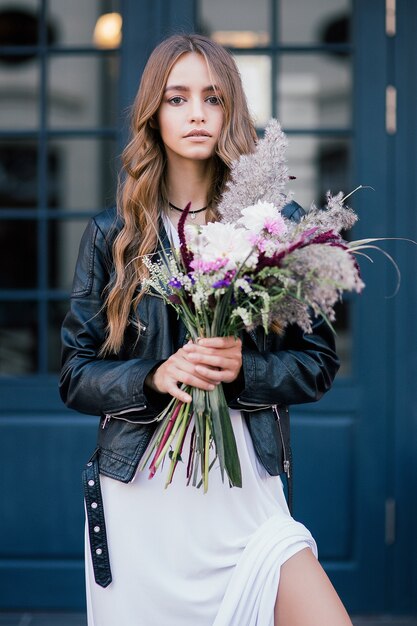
353 449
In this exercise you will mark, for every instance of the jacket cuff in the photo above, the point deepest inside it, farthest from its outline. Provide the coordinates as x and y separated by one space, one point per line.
234 389
157 401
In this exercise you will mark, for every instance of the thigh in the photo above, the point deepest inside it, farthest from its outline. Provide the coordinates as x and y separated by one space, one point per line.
306 597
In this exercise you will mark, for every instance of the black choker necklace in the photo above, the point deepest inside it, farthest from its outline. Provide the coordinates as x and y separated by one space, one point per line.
192 213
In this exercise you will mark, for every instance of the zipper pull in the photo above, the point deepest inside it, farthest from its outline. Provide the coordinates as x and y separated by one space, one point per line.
107 419
287 467
286 462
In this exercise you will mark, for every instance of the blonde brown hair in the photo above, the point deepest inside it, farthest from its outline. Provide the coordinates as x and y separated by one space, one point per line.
142 190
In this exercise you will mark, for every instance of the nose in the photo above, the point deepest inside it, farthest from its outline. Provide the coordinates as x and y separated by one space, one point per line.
197 114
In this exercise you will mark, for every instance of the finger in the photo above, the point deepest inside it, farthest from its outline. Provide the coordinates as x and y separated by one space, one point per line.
183 371
214 360
219 342
201 382
178 393
193 352
218 376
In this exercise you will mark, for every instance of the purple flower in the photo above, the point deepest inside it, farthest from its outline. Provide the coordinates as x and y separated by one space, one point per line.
175 283
331 238
225 282
186 255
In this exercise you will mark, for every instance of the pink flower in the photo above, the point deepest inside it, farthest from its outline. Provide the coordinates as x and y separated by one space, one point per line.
275 226
263 217
208 266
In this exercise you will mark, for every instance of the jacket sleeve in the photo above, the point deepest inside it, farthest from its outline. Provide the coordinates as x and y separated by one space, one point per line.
301 370
91 384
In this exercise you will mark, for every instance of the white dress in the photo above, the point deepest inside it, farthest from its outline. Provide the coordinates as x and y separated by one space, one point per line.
180 557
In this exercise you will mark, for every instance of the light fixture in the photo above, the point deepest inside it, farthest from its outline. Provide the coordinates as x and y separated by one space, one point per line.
240 38
108 31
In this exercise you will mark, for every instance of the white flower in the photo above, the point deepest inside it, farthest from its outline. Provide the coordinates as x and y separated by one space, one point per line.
224 241
243 285
244 315
263 216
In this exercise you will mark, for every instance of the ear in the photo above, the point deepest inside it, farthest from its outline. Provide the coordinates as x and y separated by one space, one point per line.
153 123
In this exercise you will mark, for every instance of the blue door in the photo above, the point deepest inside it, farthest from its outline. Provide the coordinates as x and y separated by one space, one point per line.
355 450
341 77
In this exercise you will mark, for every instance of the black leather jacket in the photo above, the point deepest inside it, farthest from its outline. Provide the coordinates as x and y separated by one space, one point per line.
277 370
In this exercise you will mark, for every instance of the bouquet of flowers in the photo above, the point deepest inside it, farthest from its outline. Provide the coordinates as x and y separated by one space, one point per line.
253 267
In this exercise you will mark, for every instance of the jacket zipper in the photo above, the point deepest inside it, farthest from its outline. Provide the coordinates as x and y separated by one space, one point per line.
286 460
119 416
258 407
278 418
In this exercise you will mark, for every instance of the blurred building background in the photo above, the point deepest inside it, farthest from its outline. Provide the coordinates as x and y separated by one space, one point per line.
341 75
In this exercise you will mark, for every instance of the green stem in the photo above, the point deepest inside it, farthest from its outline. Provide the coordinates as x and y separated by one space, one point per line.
186 418
206 455
175 428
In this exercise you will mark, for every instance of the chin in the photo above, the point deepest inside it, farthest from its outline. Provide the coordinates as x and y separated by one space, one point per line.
200 154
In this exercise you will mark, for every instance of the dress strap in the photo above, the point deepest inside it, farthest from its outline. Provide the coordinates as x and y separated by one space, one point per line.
96 525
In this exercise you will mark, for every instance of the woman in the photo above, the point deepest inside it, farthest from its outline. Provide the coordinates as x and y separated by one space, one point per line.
178 556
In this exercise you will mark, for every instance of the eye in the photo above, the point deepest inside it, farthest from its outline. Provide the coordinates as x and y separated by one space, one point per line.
213 100
176 100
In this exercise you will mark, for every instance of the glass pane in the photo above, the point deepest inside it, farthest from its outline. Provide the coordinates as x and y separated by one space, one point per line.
319 164
18 258
255 71
19 94
18 337
56 314
64 241
315 21
74 31
86 173
82 91
238 23
314 91
18 174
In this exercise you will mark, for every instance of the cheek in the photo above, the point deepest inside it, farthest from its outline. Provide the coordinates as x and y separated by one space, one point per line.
164 122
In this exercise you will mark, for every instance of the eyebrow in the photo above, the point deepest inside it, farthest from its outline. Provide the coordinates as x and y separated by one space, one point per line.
209 88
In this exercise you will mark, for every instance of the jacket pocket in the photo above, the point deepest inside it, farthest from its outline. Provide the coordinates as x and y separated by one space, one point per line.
130 415
251 407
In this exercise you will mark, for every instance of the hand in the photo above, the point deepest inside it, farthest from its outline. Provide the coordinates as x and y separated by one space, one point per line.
217 359
203 364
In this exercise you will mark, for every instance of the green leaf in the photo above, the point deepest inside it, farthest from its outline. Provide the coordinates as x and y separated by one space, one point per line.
220 411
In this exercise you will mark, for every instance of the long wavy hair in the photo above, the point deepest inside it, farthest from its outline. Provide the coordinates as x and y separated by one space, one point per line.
142 184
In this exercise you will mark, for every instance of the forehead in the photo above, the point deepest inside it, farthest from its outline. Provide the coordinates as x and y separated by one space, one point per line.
190 70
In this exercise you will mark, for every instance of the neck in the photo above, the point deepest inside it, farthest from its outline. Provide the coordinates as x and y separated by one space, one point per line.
189 182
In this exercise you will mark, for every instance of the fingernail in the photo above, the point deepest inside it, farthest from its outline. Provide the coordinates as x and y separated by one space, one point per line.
211 387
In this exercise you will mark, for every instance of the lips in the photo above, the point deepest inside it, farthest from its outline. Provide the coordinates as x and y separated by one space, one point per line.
198 133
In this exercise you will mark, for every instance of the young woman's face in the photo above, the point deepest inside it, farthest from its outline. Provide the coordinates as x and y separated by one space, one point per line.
190 116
